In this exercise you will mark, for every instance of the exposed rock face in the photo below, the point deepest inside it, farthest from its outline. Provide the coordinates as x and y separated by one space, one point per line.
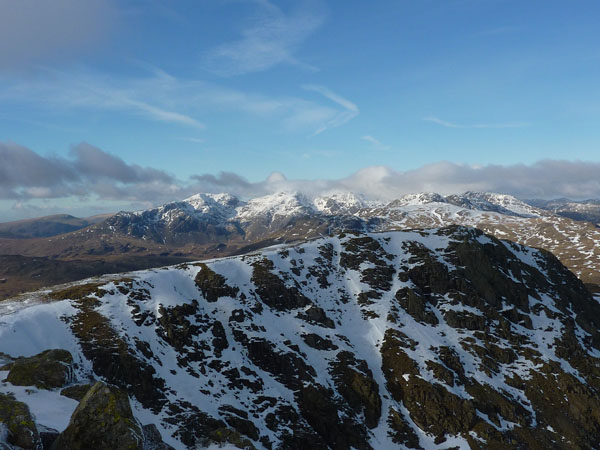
19 425
49 370
421 339
103 419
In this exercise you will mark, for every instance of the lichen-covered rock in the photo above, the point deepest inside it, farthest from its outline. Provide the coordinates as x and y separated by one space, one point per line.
48 370
20 428
76 392
103 420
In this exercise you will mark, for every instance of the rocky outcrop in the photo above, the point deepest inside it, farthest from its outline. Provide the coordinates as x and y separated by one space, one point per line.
421 339
21 430
76 391
50 369
102 420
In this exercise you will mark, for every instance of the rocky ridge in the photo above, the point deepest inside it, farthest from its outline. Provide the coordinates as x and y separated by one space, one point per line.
211 225
295 217
445 338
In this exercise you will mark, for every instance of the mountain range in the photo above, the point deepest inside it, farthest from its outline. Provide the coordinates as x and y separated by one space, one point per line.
210 225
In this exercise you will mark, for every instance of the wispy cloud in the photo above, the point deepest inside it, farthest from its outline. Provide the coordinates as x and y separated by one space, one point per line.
447 124
349 112
82 90
161 97
377 144
193 140
160 114
270 39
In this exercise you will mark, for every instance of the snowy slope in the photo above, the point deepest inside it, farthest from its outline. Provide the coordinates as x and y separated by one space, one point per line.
429 339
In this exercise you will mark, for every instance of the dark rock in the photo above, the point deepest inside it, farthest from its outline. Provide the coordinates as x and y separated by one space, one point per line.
272 290
316 315
76 392
113 359
402 433
317 342
47 436
21 429
152 439
288 368
238 420
465 319
220 338
321 412
48 370
354 381
416 305
213 285
103 420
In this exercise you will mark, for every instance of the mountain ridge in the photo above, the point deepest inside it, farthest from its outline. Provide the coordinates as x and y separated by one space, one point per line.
212 225
420 339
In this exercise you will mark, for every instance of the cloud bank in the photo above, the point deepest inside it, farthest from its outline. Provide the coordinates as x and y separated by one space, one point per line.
93 175
88 172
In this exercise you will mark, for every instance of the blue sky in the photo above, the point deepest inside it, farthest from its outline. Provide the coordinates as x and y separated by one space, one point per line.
311 89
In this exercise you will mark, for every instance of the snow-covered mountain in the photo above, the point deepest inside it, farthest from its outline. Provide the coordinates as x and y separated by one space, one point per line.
209 225
433 339
281 207
276 212
502 203
587 210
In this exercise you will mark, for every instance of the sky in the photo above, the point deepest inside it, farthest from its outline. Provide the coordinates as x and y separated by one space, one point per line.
108 105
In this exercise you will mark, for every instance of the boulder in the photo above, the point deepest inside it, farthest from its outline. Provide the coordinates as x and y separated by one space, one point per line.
103 420
48 370
76 391
18 423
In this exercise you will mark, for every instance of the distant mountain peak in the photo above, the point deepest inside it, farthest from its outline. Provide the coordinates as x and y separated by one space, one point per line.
421 198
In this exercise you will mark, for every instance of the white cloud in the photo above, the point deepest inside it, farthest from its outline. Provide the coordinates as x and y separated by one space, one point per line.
91 175
447 124
376 143
349 111
543 179
271 38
